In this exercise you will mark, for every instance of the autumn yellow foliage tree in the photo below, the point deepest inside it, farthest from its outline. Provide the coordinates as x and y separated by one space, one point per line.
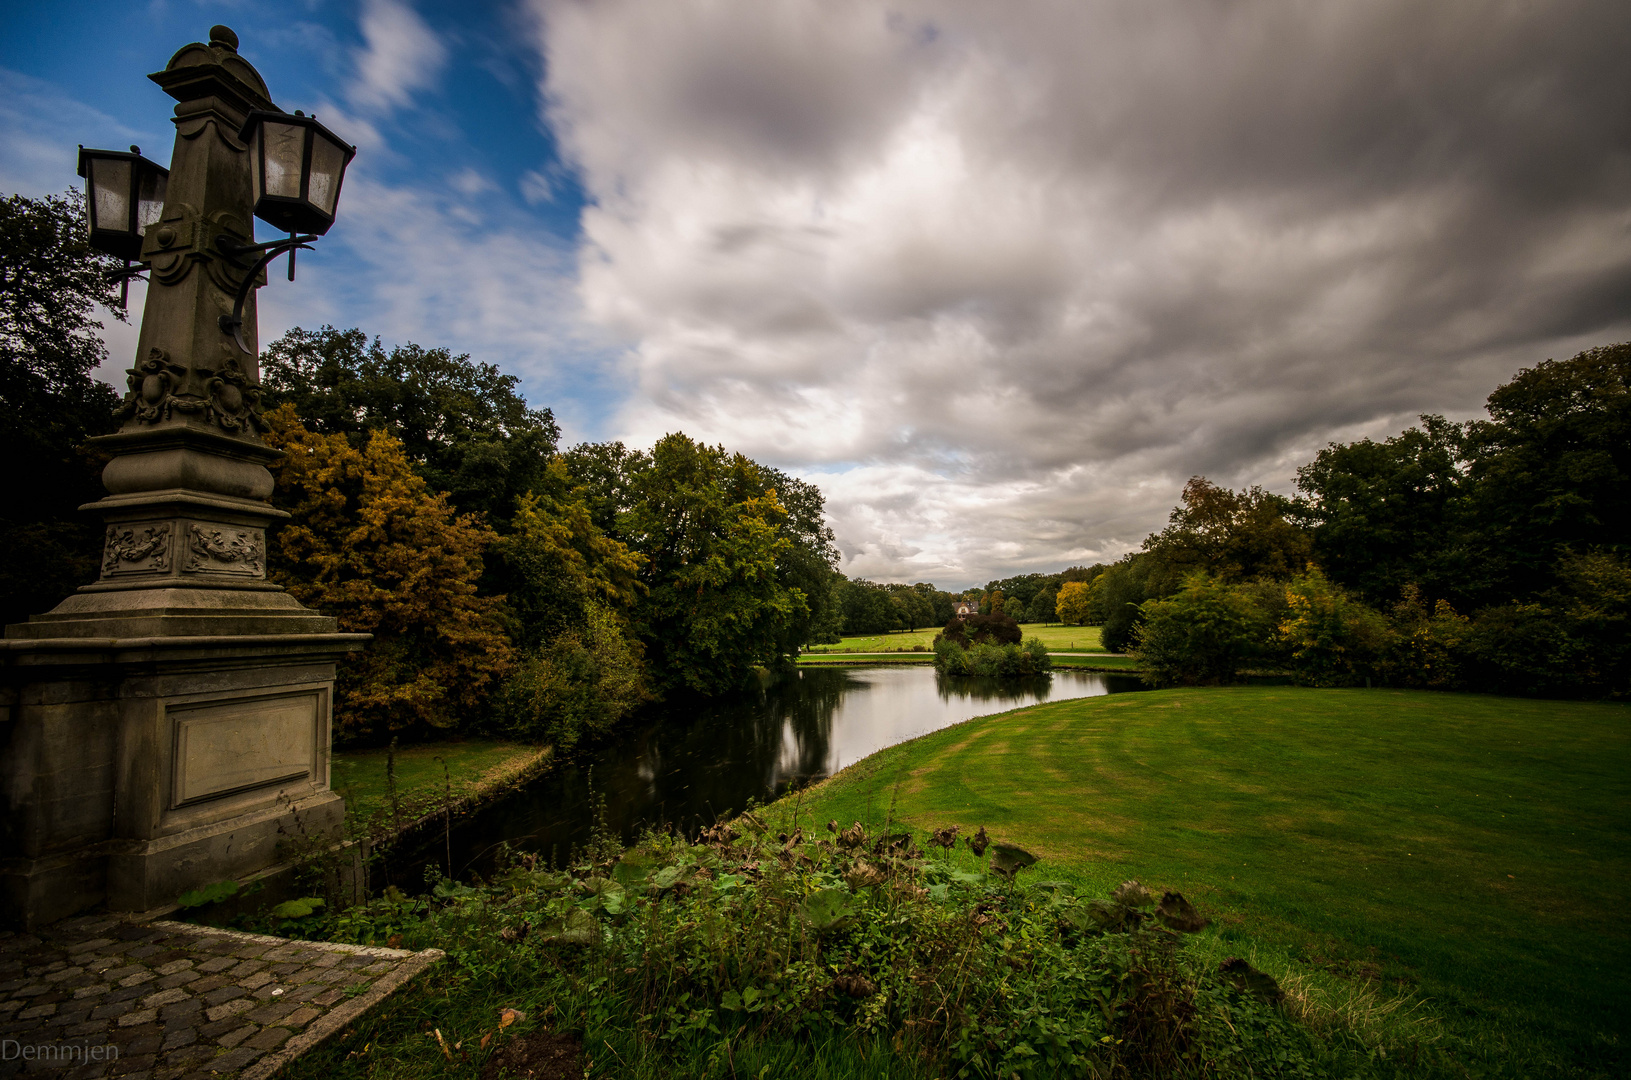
1073 604
372 545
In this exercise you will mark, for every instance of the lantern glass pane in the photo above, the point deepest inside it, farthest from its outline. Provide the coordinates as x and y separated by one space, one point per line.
283 147
327 164
150 198
110 194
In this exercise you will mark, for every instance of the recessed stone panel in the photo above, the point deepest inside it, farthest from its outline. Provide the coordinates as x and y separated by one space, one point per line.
141 548
223 747
222 549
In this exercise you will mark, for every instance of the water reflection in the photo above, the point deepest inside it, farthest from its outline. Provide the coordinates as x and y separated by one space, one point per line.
687 766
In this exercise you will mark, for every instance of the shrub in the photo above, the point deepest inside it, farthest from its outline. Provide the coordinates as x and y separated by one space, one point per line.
579 684
988 659
1570 641
1429 648
1331 637
1206 633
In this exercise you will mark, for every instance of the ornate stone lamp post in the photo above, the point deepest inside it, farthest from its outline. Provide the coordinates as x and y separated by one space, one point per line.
165 725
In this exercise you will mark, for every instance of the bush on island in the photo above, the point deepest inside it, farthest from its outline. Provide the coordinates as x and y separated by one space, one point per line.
1009 658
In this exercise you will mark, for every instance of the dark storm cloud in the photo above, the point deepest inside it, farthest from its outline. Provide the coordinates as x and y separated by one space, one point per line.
1001 277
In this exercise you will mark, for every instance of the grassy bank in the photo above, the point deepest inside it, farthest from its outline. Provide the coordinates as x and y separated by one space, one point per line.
1055 636
1470 852
427 775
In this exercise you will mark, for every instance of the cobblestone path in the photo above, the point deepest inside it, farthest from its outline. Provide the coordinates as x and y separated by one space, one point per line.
100 996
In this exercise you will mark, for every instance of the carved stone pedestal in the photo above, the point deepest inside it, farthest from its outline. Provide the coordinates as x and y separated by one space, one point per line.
167 726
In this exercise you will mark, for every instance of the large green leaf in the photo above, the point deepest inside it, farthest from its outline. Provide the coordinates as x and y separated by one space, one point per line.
632 870
827 910
667 877
297 909
578 927
608 895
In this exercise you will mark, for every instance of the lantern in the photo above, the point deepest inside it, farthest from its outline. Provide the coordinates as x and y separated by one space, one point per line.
297 165
124 195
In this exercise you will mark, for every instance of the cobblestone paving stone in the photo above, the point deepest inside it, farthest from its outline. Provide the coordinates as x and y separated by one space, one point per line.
102 996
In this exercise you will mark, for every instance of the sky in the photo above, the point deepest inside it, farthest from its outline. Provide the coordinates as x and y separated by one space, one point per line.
998 278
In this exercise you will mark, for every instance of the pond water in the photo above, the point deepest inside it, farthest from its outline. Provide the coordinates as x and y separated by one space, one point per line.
687 766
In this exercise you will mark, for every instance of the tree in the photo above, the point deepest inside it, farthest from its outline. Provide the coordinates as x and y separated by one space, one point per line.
1233 536
1041 607
1117 595
555 563
1550 471
462 423
913 608
615 481
372 545
1332 638
715 605
51 283
1072 605
869 609
1391 514
1205 633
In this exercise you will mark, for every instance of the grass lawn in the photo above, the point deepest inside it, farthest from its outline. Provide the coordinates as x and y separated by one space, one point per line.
1056 636
472 764
1472 852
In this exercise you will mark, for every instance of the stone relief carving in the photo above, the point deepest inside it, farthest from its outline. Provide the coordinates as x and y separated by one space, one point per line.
149 545
160 388
225 551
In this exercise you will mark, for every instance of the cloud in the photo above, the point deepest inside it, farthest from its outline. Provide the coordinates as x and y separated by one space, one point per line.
454 268
402 55
1001 278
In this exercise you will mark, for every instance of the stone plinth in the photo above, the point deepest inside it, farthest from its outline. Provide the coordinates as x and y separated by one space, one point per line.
137 768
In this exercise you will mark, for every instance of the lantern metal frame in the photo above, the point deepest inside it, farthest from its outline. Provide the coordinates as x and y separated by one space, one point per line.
235 253
297 210
129 240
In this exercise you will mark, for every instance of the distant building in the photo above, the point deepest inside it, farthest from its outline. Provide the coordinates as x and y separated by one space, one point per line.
964 608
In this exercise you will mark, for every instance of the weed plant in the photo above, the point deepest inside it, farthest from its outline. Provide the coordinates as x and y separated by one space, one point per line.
845 953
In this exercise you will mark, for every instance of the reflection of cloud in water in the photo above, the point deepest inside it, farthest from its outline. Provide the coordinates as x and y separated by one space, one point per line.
698 760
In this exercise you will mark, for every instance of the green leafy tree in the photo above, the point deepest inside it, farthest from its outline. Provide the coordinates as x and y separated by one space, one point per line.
51 285
1574 640
913 608
869 609
1387 515
1116 597
1232 536
372 545
616 482
1550 471
1206 632
715 604
462 423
